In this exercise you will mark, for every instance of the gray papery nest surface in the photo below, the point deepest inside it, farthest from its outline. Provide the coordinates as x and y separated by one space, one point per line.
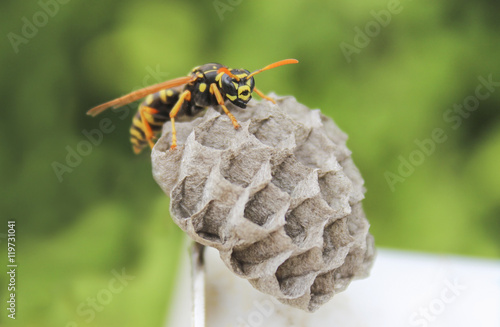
280 198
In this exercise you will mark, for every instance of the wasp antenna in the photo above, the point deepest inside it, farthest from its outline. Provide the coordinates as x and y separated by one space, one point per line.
274 65
226 71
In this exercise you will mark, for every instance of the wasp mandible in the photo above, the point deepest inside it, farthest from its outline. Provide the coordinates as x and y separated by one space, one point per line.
208 85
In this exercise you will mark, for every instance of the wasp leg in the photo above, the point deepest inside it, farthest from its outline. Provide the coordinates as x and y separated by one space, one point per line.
186 95
263 96
220 101
147 128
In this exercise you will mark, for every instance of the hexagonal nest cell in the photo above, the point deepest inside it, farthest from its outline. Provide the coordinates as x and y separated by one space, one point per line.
280 198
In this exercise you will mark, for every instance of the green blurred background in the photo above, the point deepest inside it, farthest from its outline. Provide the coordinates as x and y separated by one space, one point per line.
107 214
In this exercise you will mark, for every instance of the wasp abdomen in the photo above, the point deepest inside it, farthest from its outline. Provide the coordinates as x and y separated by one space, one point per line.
155 109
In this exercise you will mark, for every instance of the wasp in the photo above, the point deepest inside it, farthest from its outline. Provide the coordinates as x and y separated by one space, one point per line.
207 85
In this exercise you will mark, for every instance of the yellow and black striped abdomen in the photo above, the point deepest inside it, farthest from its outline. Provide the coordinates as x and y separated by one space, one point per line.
155 109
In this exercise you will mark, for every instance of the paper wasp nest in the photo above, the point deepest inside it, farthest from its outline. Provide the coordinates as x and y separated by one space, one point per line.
280 198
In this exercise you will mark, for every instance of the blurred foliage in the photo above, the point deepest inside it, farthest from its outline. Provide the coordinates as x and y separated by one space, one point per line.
108 214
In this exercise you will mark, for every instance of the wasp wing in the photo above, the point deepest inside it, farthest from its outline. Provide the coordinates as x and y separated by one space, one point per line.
136 95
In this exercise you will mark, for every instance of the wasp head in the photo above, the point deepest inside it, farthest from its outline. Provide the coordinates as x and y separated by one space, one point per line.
237 86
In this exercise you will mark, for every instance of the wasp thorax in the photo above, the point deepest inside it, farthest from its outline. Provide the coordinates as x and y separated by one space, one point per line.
238 87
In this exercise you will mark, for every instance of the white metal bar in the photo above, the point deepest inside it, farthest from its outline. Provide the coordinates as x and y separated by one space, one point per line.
198 284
